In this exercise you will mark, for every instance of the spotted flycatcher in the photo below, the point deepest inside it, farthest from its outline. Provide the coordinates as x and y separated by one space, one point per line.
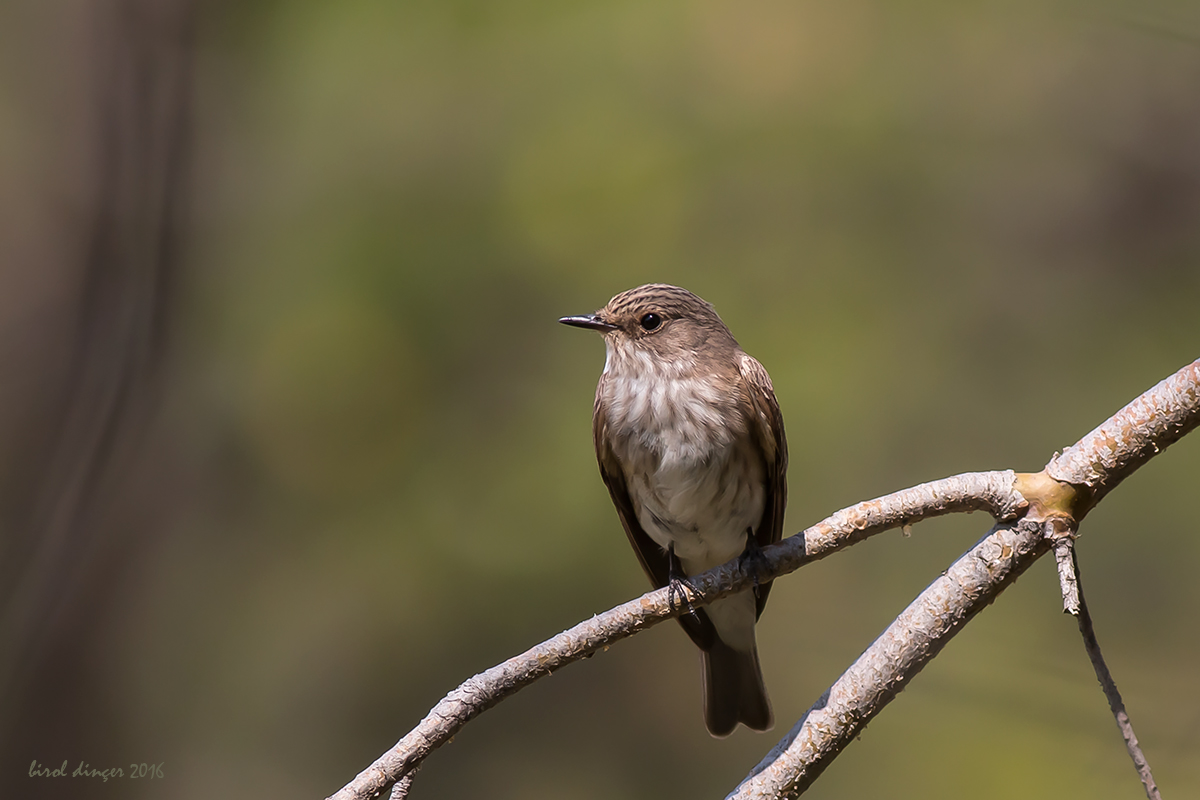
690 443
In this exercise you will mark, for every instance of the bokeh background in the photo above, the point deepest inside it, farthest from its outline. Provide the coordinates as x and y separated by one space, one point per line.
291 444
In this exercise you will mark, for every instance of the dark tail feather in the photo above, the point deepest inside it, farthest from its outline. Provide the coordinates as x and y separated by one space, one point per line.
734 691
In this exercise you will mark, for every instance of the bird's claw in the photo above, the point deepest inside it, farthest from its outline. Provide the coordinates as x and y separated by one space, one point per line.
752 559
678 584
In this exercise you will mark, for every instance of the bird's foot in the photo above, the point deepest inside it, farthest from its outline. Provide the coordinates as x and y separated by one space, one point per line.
678 585
752 559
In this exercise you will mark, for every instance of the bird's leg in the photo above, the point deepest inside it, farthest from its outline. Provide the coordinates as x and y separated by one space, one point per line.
752 558
678 584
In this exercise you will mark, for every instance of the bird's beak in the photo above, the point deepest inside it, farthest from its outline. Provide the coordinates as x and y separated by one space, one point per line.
591 321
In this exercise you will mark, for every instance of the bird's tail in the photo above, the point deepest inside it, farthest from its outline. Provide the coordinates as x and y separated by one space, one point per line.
734 690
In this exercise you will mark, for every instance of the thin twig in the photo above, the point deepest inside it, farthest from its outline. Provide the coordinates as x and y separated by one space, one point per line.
401 788
1110 687
1062 534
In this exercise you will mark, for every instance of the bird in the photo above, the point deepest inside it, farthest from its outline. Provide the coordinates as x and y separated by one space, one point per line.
690 443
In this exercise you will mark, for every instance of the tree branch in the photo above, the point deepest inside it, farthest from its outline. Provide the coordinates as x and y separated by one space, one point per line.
1058 497
1051 501
1161 416
908 644
983 491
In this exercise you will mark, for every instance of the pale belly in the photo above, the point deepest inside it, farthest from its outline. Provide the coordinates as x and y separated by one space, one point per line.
694 476
704 510
705 515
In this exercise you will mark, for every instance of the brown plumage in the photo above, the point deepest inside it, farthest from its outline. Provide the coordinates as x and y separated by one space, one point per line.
691 446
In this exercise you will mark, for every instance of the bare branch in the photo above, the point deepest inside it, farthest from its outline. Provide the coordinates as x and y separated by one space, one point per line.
1131 437
908 644
1052 501
984 491
1097 462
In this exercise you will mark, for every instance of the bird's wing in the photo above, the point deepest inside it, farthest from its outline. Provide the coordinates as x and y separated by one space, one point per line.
767 428
652 557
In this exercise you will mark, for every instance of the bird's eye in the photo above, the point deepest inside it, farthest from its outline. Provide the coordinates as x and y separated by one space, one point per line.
651 321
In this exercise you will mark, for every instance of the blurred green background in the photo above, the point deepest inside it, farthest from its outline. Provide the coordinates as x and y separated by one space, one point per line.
958 235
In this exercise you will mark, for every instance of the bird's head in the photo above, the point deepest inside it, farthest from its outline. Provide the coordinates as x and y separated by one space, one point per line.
659 320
